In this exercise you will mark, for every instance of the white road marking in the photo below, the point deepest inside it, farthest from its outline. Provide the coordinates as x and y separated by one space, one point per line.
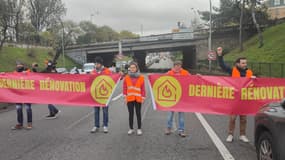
145 111
117 97
219 144
78 121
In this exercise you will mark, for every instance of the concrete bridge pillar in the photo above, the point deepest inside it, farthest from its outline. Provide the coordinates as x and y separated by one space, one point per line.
189 57
139 57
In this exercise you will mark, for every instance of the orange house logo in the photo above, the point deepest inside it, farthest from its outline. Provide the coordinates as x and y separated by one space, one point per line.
101 88
167 91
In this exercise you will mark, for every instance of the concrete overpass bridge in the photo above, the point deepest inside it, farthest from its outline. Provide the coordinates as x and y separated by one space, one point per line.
138 48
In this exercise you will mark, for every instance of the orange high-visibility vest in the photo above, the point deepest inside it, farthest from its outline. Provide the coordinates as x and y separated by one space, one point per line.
104 71
134 91
236 73
182 72
27 71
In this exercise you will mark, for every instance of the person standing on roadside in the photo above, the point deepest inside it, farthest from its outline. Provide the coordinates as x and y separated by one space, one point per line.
100 69
177 70
53 111
35 67
20 69
134 93
238 70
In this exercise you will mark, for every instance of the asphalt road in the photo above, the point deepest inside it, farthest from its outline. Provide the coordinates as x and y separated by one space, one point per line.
68 137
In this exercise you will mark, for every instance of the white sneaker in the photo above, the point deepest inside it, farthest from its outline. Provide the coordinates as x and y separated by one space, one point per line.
243 138
230 138
105 129
131 131
139 132
94 129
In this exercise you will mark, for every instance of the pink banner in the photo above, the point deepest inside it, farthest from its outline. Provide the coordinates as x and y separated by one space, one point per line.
84 90
215 95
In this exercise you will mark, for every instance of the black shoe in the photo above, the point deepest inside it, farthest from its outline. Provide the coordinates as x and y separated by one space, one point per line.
57 112
51 116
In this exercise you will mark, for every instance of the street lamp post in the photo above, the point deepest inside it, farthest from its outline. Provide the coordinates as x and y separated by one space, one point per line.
62 44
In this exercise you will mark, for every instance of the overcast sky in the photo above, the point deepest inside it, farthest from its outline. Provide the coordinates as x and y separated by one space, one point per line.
149 16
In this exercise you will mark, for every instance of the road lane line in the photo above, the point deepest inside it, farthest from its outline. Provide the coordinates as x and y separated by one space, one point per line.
117 97
219 144
144 112
78 121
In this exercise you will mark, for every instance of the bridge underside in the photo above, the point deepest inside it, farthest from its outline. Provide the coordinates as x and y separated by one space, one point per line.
189 56
137 49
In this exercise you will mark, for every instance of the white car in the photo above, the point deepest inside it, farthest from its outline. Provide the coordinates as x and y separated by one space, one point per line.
62 70
88 67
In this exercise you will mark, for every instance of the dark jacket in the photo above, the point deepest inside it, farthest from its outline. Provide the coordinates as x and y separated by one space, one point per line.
228 69
34 69
49 70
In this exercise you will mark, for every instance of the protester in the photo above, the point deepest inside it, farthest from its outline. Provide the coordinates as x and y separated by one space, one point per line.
239 70
113 68
176 70
20 69
53 111
35 67
100 69
134 92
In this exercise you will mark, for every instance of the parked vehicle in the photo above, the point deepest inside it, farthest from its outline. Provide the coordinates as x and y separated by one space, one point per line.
270 131
62 70
88 67
74 70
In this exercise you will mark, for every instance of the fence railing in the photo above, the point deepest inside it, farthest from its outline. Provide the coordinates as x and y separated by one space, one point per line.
259 69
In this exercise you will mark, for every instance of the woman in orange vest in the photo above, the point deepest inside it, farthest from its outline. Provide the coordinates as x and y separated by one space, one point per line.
134 92
239 70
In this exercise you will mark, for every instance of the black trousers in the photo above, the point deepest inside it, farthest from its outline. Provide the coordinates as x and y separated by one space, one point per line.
137 106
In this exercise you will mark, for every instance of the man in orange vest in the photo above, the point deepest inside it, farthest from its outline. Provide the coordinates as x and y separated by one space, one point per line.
100 69
239 70
176 70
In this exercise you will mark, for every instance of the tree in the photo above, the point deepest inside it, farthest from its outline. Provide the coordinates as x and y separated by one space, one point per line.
105 34
239 12
92 34
252 8
88 34
16 7
5 21
63 34
241 26
26 33
45 13
229 12
124 34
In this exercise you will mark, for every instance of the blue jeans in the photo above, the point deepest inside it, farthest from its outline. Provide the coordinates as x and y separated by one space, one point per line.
52 109
180 120
19 107
97 116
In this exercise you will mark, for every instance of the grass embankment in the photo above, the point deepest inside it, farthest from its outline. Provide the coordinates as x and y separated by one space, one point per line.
268 60
9 56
